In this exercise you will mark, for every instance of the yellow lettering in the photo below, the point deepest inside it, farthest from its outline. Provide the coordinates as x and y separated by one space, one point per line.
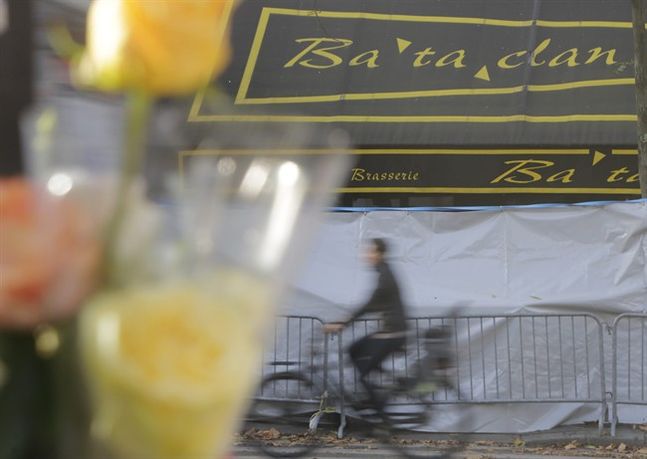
457 61
568 57
597 53
538 50
615 175
504 64
523 167
363 175
565 176
634 178
358 175
419 62
330 59
369 58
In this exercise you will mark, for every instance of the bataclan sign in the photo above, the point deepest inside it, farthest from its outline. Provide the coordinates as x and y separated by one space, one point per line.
447 96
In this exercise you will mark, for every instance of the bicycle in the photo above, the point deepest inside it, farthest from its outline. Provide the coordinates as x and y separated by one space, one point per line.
408 402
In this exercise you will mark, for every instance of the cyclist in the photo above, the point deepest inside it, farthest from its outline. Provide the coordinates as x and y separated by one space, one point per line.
368 353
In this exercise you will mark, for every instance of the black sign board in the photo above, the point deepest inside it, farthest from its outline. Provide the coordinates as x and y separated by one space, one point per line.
601 172
448 96
575 171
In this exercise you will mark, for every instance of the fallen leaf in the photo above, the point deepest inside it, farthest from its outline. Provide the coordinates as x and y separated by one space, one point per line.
572 445
269 434
485 443
622 447
518 442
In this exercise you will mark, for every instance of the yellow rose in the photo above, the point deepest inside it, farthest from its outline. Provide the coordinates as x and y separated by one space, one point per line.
171 367
162 47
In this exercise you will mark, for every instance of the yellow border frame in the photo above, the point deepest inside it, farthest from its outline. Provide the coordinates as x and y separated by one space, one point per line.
184 154
242 99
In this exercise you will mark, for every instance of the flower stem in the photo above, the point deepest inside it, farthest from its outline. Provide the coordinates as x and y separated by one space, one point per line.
138 107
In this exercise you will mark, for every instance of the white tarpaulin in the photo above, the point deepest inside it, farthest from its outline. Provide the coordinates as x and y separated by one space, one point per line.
540 260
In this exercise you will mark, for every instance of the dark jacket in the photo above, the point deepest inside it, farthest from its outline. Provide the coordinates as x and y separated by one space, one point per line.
386 301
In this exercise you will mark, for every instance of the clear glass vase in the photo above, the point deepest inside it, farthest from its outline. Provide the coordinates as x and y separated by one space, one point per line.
164 359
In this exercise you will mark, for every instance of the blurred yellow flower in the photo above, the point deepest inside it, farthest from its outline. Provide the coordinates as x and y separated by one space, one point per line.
171 367
162 47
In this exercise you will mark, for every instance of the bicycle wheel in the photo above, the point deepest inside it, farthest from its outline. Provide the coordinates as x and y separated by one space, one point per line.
410 410
284 427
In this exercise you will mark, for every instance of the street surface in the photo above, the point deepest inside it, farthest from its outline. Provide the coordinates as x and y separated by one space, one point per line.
380 452
582 442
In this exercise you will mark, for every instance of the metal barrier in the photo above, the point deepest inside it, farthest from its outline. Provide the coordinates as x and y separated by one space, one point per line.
529 358
299 345
630 343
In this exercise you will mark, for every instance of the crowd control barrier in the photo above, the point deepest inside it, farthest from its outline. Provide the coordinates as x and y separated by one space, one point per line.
499 359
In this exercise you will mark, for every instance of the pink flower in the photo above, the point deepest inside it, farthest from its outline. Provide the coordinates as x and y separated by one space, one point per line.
49 255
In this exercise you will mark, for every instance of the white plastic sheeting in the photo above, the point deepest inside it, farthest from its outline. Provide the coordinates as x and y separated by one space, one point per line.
540 260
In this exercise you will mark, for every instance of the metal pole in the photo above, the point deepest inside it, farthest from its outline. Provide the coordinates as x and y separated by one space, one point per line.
638 10
342 392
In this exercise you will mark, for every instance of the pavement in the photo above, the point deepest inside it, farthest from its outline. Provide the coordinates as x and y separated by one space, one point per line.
380 452
582 442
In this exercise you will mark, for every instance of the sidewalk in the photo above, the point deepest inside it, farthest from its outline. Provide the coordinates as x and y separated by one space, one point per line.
474 452
582 434
581 442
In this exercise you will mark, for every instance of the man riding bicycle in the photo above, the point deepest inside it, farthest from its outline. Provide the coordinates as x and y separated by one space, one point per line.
369 352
